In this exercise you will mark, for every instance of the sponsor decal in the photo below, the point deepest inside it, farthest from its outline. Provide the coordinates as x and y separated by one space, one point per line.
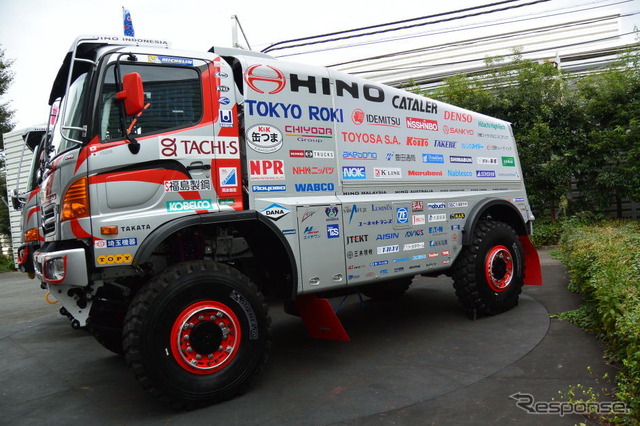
493 161
333 230
472 146
499 148
519 200
421 124
269 188
264 138
359 253
312 170
120 242
400 157
444 144
494 126
417 206
458 116
289 232
402 215
397 270
314 187
413 141
379 263
198 147
387 173
419 257
228 176
446 253
224 100
458 204
222 88
508 161
414 104
189 205
369 138
307 153
357 172
331 212
359 117
457 216
226 118
401 259
436 229
449 130
307 214
226 201
424 173
492 136
437 243
273 109
325 114
311 233
455 227
413 246
222 74
266 169
435 206
187 185
110 259
359 155
485 173
418 219
388 236
388 249
437 217
354 239
131 228
460 159
432 158
414 233
432 255
265 79
459 173
308 132
170 60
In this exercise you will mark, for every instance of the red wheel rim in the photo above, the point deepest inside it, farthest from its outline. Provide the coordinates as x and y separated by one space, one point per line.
205 337
498 268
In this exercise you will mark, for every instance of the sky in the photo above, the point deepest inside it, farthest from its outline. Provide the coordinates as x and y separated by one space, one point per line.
36 34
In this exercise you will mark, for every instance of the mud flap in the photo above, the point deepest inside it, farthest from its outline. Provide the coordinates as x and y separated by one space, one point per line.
320 319
532 270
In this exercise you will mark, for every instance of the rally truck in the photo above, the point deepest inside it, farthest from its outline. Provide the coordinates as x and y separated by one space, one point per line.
182 189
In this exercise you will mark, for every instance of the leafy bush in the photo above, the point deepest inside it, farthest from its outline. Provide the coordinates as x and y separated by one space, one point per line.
547 233
604 263
6 263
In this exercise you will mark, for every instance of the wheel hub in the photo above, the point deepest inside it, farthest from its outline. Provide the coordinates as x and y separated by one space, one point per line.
499 268
205 337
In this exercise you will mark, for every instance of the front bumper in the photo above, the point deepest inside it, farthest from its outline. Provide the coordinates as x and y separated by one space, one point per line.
62 267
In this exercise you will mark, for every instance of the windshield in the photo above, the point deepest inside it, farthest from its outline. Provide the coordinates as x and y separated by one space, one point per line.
70 134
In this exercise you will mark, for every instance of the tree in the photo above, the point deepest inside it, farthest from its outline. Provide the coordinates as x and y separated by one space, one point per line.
545 114
610 159
6 115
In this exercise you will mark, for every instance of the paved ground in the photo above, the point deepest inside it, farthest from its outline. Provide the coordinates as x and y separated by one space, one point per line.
417 360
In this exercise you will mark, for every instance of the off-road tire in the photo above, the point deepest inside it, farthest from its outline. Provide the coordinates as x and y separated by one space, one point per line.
488 273
387 290
197 308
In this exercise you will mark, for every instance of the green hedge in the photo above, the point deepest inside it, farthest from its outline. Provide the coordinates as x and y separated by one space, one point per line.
604 263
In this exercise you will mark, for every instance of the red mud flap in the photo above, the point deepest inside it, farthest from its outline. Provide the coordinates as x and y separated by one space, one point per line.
532 270
319 318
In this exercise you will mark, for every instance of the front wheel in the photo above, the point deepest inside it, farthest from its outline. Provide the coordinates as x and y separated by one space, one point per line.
199 333
488 274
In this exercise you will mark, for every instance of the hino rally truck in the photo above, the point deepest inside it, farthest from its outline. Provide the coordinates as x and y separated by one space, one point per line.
180 190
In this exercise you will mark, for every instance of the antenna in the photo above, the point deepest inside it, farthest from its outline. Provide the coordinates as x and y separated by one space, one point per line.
234 33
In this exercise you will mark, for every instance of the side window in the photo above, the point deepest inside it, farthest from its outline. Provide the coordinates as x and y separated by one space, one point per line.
172 96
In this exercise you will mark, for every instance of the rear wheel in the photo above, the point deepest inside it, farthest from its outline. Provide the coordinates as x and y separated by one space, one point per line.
197 334
488 273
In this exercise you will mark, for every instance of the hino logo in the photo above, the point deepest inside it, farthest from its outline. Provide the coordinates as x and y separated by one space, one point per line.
257 78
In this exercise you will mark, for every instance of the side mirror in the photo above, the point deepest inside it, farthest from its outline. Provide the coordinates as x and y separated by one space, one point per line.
16 201
132 94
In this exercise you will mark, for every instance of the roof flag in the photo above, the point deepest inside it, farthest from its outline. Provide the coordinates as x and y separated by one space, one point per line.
128 24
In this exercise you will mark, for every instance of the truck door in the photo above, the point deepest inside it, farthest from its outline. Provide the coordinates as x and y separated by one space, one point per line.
321 247
175 172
